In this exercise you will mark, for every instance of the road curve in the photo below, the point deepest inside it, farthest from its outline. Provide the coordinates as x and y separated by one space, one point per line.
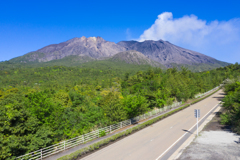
154 141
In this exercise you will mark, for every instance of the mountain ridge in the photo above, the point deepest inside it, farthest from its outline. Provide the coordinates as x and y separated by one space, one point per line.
166 53
96 48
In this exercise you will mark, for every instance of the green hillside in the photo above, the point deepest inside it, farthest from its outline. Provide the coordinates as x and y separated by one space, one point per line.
115 63
199 67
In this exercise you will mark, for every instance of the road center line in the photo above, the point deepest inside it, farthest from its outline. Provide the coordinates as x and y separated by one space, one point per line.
185 133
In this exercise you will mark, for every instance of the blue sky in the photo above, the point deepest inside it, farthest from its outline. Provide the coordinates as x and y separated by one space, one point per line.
209 27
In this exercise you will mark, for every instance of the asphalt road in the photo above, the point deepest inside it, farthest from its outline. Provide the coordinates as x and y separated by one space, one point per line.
156 141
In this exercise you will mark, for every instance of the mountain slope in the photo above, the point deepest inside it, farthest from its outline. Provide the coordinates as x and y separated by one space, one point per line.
72 60
167 53
134 57
95 47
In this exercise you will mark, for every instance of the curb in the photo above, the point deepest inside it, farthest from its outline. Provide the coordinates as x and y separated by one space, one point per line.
180 150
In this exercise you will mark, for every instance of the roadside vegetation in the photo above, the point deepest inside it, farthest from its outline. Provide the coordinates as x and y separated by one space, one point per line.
84 151
41 106
232 104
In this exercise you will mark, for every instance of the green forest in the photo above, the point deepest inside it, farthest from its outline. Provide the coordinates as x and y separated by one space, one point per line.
231 105
41 106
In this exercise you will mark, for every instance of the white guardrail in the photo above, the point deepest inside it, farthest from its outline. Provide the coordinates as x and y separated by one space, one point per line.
202 94
56 148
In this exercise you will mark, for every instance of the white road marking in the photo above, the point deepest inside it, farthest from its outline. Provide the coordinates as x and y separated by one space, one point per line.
185 133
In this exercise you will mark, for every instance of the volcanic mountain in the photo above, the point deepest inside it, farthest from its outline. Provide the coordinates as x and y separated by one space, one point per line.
96 48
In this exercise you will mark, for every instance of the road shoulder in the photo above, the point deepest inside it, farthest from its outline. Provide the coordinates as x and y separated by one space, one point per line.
215 141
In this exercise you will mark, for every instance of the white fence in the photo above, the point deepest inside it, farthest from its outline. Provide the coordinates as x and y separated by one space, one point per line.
203 94
53 149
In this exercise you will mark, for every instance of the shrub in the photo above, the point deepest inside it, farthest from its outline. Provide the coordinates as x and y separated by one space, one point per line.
102 133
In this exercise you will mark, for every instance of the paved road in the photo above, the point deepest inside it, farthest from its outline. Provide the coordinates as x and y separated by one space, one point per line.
152 142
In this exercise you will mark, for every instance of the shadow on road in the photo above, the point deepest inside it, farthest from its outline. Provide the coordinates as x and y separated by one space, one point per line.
222 94
219 98
187 131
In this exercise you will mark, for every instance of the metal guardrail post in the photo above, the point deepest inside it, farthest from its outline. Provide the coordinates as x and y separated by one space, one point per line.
121 124
64 145
110 128
41 154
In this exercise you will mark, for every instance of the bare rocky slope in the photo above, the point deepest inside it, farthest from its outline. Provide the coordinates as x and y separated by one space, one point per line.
96 48
166 53
134 57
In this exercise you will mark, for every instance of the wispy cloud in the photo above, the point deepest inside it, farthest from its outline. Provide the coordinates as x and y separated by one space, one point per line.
128 33
215 38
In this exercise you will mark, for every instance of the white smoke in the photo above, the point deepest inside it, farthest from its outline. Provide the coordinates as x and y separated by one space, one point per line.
188 31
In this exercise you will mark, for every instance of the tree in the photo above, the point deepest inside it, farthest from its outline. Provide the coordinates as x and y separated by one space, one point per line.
135 105
112 107
20 132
